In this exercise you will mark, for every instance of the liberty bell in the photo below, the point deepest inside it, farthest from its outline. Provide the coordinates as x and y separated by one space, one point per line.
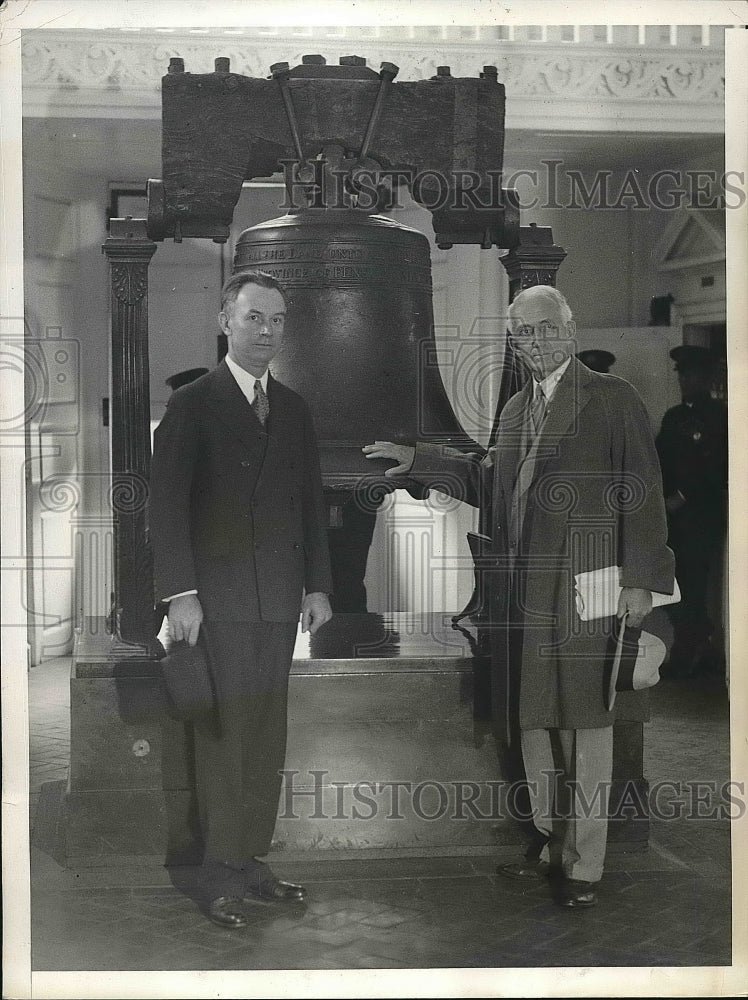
359 343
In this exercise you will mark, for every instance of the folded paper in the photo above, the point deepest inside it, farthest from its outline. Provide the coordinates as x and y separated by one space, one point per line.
598 590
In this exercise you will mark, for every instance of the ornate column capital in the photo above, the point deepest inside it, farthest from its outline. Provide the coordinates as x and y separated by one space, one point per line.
128 241
535 260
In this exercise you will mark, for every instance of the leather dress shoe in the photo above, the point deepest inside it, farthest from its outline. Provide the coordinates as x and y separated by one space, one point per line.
227 911
576 894
273 890
529 870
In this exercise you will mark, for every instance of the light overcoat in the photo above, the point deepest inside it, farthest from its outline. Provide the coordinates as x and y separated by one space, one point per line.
592 497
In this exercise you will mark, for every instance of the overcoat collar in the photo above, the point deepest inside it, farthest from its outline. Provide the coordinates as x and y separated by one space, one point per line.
567 402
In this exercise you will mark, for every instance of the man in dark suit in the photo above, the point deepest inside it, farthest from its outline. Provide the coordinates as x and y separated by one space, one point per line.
238 536
574 485
176 382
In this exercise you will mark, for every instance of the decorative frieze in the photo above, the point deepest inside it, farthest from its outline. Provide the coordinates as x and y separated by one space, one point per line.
615 76
96 71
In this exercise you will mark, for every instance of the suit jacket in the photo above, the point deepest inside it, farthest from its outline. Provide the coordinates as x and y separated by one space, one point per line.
593 498
236 510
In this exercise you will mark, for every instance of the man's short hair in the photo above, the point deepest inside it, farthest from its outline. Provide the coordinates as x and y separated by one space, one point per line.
236 282
547 292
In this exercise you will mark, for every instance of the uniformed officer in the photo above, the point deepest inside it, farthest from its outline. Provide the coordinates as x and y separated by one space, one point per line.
692 445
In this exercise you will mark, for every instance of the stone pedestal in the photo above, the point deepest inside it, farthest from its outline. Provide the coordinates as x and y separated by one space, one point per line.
389 749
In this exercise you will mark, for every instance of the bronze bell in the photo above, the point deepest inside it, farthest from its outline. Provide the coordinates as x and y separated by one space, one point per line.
359 342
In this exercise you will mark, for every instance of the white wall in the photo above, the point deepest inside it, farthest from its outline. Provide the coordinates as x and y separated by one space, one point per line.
643 359
66 323
610 273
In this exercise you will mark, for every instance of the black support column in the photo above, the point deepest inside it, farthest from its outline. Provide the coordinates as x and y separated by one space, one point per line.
129 252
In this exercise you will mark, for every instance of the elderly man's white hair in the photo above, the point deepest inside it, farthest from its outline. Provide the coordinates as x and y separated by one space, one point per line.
547 292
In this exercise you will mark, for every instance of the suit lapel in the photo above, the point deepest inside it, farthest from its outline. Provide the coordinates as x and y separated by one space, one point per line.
226 400
280 421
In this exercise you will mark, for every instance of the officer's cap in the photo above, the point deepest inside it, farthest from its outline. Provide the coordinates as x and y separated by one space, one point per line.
597 360
690 358
185 377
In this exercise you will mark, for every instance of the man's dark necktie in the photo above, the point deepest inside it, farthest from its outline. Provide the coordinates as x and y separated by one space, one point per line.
260 403
537 407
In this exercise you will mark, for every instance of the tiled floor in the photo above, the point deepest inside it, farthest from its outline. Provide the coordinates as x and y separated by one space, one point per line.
668 906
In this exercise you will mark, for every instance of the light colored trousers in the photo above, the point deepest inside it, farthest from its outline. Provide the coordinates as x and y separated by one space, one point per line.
569 773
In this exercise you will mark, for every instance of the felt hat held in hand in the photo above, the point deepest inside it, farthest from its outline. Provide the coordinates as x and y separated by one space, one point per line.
188 685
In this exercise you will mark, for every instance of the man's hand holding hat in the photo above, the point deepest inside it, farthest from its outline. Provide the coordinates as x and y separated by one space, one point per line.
185 618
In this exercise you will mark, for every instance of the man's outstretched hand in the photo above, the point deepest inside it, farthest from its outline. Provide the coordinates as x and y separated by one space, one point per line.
315 611
401 453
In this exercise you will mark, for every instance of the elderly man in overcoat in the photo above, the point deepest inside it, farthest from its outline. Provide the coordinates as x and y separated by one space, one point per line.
240 553
574 485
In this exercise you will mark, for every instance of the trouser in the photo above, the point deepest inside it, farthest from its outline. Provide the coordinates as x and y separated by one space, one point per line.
695 538
569 773
184 839
240 749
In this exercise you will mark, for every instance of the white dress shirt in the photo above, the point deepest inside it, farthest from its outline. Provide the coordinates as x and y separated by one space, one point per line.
549 383
246 382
